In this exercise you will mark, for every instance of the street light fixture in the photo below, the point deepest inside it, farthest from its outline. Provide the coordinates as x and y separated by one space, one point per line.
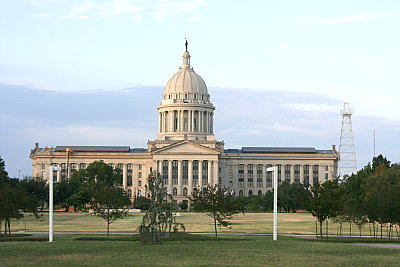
275 226
51 170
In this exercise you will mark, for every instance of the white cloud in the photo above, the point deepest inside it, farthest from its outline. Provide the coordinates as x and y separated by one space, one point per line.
130 8
348 19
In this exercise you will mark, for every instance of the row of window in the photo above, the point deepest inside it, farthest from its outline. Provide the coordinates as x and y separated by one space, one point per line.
186 96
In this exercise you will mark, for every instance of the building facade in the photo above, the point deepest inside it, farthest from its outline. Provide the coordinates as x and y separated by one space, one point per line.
187 154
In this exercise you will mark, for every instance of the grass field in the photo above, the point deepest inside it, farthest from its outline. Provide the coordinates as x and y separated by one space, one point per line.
250 250
289 223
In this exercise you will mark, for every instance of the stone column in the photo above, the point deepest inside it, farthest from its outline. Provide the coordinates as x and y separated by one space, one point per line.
200 121
321 173
302 174
135 179
170 176
212 123
159 122
291 173
209 173
172 121
181 120
192 127
179 177
125 176
311 176
215 174
282 173
200 174
190 177
69 170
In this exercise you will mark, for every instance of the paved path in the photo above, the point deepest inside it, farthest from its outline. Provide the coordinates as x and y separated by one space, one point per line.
379 245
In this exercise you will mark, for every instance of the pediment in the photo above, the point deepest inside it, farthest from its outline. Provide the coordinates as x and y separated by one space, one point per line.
186 147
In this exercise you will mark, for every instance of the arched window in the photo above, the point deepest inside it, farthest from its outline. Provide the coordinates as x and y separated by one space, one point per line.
185 191
174 191
250 192
241 193
259 192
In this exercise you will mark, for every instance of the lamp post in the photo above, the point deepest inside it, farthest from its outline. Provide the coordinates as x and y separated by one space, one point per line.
51 169
275 225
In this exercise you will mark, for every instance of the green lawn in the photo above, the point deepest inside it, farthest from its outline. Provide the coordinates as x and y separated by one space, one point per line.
251 250
289 223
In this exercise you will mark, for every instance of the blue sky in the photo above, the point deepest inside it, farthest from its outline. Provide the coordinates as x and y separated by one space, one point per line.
315 54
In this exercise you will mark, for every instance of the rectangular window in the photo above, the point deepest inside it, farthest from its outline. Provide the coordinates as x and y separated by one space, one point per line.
174 172
241 172
63 171
185 172
269 176
297 173
54 172
259 171
195 172
140 166
279 173
129 174
165 172
73 168
250 175
205 172
306 174
120 166
326 176
82 166
287 173
140 175
315 173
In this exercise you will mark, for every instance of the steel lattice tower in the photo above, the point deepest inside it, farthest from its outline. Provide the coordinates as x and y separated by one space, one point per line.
347 162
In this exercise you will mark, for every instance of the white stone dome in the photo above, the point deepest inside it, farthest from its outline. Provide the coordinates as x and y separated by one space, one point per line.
186 80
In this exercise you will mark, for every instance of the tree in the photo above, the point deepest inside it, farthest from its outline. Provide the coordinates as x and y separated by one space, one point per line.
14 200
215 203
293 197
382 197
325 201
159 217
110 203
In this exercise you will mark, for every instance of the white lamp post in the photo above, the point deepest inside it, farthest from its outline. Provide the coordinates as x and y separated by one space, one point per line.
275 227
51 169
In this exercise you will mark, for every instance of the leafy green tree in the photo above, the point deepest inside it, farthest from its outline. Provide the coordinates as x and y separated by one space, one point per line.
37 190
110 203
325 201
142 203
216 204
293 197
382 197
380 162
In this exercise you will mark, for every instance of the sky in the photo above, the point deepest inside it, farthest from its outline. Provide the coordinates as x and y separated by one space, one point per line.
67 65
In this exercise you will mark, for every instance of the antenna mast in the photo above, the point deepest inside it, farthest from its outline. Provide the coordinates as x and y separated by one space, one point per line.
347 162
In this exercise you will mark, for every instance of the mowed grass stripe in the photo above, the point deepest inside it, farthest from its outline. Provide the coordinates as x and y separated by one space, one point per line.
255 251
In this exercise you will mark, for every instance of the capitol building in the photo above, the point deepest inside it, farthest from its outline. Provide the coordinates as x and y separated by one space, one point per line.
187 153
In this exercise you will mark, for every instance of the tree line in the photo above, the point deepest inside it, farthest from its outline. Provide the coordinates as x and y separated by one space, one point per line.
372 196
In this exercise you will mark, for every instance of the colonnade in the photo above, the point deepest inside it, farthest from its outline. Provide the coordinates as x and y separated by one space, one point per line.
183 175
200 121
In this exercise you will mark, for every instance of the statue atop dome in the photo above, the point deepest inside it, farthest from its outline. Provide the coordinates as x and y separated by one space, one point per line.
186 44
